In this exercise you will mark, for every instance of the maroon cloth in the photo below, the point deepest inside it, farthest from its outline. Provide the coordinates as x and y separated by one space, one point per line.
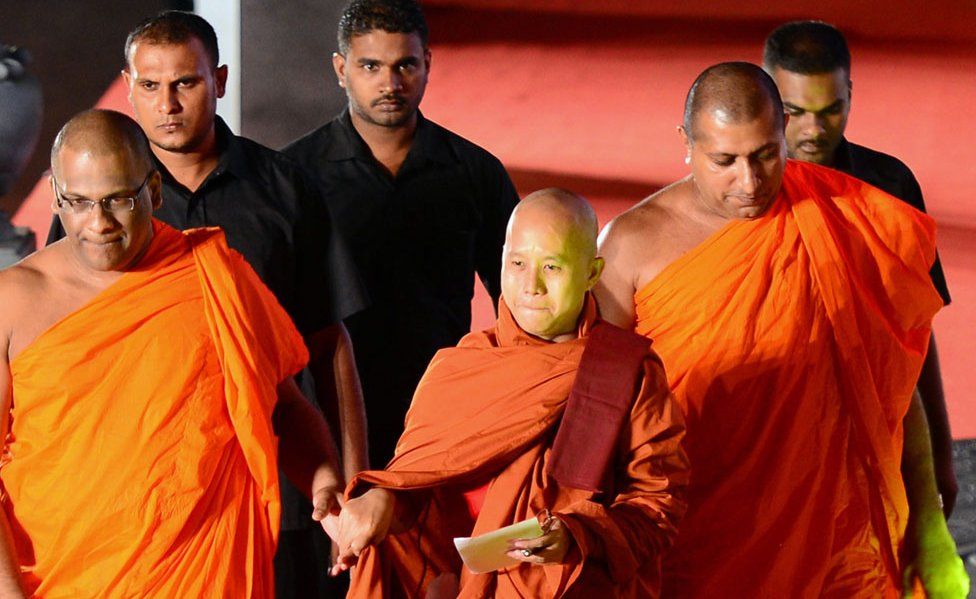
609 377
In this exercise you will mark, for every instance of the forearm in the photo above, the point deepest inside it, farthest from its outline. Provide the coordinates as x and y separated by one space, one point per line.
918 469
340 395
931 552
352 410
10 581
936 414
307 453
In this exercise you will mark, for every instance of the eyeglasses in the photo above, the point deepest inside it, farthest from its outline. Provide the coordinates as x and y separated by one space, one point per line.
110 204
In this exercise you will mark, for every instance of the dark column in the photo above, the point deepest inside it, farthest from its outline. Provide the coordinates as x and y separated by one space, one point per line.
287 83
77 51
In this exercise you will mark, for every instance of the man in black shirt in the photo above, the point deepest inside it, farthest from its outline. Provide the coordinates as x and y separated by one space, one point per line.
811 65
421 208
273 216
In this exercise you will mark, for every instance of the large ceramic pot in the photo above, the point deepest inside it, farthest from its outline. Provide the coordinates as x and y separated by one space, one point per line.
21 106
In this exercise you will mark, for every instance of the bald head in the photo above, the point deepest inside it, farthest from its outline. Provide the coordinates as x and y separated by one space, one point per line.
102 133
549 262
733 93
560 209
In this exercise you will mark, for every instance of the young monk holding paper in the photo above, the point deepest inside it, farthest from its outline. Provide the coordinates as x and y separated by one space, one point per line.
551 409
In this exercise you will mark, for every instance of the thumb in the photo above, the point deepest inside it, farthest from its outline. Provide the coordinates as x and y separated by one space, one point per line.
325 502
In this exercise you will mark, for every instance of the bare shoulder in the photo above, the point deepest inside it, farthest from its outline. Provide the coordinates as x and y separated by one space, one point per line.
640 238
23 281
24 288
644 222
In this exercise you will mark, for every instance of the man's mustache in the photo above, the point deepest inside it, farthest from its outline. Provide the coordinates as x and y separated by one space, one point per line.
389 98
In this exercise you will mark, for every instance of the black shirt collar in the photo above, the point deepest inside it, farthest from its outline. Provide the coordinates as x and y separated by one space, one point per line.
842 156
232 157
429 142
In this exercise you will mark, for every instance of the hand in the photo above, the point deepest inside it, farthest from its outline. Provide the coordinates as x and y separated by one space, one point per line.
550 548
363 521
937 565
326 501
326 506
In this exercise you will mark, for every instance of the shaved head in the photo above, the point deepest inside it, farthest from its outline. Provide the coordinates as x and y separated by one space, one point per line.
97 157
549 262
734 93
103 133
561 208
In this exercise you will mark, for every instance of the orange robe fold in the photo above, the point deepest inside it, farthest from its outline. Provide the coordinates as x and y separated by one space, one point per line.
793 343
141 460
486 412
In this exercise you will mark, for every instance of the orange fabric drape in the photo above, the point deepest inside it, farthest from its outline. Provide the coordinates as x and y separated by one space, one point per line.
141 458
792 343
487 411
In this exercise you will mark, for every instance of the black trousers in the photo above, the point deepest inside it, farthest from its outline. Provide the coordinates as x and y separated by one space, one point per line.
302 566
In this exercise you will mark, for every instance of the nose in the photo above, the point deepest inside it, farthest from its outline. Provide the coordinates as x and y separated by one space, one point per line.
393 81
169 102
749 177
812 124
100 220
533 283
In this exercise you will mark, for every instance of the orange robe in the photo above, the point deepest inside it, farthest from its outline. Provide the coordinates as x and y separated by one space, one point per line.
142 460
792 343
486 413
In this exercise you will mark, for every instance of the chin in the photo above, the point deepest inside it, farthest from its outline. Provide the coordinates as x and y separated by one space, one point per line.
532 324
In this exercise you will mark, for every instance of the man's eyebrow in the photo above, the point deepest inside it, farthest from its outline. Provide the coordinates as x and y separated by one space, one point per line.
118 193
832 105
363 61
769 146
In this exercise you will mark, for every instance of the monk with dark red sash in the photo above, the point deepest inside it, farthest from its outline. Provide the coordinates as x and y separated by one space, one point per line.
550 412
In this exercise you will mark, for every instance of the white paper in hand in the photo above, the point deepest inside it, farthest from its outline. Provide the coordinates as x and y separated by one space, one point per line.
487 552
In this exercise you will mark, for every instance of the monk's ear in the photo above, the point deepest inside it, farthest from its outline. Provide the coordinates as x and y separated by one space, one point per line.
156 189
54 196
596 269
685 139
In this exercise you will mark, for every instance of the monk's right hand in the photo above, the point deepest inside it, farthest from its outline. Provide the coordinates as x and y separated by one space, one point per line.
364 521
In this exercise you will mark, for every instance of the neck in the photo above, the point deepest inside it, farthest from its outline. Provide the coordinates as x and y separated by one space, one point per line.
190 168
574 334
389 145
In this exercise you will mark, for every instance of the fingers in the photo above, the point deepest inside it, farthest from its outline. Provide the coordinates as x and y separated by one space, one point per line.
343 563
326 501
545 549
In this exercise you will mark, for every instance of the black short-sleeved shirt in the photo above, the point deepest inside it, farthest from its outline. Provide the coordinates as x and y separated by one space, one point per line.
417 240
892 176
273 216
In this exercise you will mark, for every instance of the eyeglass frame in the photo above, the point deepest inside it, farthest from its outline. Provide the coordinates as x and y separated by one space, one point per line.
61 200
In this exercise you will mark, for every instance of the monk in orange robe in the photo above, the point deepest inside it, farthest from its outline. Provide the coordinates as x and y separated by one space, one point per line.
550 409
142 373
791 306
